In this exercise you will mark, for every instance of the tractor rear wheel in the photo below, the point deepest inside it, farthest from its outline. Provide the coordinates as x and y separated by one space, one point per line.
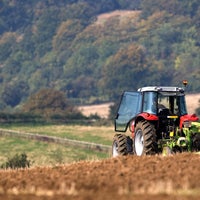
122 145
145 139
196 142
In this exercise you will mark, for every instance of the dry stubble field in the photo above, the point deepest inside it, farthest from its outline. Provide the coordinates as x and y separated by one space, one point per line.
145 178
131 177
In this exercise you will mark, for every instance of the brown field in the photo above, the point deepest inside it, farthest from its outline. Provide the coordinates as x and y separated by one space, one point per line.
192 101
145 178
102 110
120 14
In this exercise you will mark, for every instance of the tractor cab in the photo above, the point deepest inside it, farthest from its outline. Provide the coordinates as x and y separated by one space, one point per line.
164 101
161 104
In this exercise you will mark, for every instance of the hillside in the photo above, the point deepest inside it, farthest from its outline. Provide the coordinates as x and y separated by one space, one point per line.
92 51
147 177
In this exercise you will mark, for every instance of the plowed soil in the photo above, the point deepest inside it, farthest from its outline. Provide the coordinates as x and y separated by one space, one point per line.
131 177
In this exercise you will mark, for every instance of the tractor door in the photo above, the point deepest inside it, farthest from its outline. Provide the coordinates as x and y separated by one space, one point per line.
130 106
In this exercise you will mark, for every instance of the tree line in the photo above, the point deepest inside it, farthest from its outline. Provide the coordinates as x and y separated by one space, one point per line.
65 46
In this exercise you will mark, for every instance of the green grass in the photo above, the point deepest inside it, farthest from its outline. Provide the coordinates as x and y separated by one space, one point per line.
45 154
95 134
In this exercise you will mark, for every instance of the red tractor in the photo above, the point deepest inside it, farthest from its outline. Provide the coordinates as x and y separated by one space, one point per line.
158 121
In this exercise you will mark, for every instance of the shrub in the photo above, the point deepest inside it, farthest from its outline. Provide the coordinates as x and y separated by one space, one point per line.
17 161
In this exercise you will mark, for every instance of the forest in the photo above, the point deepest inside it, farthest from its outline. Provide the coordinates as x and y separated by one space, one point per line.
92 50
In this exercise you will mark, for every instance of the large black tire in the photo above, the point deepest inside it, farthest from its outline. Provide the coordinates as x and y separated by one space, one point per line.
122 145
144 142
196 142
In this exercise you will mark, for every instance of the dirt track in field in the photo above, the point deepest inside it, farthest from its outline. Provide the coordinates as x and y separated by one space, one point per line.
131 177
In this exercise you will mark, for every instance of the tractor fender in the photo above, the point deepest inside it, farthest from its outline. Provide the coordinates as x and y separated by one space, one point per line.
189 118
140 117
148 116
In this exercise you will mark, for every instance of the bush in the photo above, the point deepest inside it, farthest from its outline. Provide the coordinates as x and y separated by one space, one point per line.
17 161
48 102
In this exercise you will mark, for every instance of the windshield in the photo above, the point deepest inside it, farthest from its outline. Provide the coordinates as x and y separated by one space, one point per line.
173 104
182 105
150 102
166 103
